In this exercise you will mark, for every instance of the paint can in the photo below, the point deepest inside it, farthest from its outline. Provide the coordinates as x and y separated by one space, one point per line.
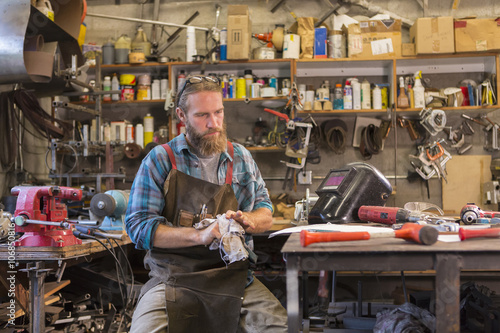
291 46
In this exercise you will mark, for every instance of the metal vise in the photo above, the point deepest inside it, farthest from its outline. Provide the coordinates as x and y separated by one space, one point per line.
42 217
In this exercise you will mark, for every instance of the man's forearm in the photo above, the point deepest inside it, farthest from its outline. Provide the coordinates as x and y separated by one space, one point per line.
171 237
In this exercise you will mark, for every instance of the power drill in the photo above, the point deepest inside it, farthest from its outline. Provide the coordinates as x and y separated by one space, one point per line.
470 213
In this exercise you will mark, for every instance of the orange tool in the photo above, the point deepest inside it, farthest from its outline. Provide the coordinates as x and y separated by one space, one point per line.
436 156
493 232
421 234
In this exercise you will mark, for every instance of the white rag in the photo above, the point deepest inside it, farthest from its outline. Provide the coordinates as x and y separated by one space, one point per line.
232 243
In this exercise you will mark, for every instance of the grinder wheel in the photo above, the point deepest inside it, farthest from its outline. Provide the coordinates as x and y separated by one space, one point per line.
102 205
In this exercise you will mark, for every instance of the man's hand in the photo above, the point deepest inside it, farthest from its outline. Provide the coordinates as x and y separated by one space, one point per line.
210 233
243 219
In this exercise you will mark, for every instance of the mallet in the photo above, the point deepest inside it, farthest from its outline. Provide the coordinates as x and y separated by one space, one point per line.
421 234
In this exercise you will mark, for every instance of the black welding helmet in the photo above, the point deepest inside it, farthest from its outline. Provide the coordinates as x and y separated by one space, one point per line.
343 191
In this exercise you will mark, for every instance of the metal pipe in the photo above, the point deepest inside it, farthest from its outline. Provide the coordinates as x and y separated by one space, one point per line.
130 19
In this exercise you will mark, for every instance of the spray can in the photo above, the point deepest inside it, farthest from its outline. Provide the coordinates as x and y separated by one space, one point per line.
248 82
223 44
149 128
347 95
129 133
377 98
139 135
356 94
273 82
365 95
232 86
241 87
190 43
225 86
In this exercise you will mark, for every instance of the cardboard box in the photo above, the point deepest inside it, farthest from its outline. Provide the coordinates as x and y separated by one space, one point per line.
472 35
433 35
320 40
375 39
408 50
239 32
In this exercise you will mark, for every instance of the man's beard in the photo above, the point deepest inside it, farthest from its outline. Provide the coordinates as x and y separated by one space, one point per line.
210 145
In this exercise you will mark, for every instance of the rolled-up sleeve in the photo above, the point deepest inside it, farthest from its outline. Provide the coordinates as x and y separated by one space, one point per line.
146 200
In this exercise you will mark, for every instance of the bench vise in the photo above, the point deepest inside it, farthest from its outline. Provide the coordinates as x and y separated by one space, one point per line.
42 217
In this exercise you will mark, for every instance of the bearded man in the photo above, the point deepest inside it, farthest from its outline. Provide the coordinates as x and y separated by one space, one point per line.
199 174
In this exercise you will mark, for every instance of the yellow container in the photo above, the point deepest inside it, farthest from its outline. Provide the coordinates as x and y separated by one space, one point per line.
149 129
241 88
127 80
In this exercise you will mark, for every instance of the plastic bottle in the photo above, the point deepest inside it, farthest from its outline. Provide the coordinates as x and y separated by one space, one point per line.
115 85
122 49
273 82
377 98
164 87
338 97
365 95
419 94
347 95
248 82
141 43
139 135
149 126
156 90
241 88
356 94
106 86
181 80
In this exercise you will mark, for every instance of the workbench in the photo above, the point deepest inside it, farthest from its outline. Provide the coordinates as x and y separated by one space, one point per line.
37 261
392 254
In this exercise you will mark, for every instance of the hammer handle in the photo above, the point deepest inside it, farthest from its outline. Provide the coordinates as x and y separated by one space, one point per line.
475 233
308 237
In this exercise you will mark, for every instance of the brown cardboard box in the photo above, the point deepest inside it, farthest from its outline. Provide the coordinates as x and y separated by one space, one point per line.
408 49
239 32
374 39
433 35
472 35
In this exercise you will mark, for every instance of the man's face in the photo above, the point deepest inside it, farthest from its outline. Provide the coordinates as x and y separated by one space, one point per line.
205 127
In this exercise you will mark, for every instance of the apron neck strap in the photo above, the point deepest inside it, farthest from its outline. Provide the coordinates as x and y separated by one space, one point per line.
229 172
170 154
230 150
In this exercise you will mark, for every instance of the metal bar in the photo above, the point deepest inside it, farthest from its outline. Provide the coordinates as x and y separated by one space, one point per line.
130 19
292 293
74 107
178 31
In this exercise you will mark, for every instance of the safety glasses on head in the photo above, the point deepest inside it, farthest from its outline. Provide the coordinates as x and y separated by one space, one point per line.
194 80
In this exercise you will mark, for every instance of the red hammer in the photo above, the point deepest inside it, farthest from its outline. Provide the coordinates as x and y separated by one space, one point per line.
421 234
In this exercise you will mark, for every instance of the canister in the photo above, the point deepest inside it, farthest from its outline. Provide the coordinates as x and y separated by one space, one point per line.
291 46
127 82
241 87
255 90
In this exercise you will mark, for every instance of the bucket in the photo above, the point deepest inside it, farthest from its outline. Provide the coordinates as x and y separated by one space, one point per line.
336 45
291 46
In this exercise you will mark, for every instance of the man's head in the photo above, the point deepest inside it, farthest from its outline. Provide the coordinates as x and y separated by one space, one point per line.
200 108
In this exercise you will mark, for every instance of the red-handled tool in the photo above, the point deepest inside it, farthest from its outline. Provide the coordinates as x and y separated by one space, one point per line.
386 215
417 233
478 233
470 213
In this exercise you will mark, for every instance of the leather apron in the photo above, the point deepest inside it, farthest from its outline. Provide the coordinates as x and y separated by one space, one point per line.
202 293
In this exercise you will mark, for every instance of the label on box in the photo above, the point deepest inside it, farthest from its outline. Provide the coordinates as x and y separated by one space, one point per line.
382 46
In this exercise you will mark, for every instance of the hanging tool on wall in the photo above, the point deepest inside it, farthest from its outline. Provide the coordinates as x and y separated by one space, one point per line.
432 160
433 120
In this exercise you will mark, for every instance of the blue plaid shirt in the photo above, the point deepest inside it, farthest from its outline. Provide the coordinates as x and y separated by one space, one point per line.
147 201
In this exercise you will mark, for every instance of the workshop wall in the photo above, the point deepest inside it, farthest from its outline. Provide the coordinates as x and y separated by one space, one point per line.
393 162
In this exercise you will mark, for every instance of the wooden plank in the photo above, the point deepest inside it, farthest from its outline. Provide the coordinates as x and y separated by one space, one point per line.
53 287
466 174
